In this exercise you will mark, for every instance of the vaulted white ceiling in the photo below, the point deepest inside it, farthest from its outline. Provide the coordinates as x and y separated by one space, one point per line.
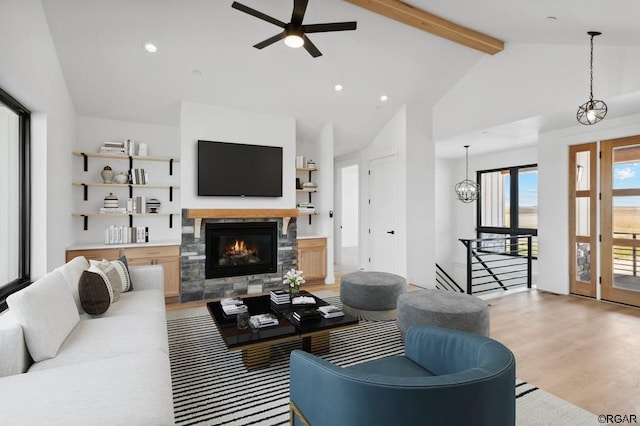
99 44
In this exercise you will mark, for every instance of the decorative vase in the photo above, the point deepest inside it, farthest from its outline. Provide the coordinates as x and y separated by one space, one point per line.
121 178
107 175
294 290
153 205
110 201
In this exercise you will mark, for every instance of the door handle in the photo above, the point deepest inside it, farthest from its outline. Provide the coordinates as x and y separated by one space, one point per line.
391 232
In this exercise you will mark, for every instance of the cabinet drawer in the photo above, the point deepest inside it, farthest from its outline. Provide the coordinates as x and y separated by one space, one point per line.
94 254
142 252
312 242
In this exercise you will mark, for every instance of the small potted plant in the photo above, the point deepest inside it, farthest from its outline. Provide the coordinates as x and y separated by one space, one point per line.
293 278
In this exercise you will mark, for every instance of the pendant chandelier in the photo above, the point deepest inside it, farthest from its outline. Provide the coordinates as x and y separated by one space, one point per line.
591 111
467 191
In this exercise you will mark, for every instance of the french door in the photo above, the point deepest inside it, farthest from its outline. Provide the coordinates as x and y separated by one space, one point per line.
620 220
583 243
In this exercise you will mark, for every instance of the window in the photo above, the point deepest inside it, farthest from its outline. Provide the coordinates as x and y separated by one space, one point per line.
508 204
14 196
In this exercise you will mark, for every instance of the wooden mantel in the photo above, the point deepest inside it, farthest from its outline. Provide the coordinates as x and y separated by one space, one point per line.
240 213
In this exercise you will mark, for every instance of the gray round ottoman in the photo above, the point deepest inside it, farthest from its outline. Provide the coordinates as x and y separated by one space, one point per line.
445 309
371 295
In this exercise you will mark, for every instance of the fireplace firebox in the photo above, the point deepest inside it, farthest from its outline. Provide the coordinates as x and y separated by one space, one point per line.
243 248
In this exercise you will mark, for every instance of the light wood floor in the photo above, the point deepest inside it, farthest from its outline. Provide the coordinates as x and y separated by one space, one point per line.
584 351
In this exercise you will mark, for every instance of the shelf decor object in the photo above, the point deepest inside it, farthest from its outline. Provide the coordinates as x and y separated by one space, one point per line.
467 190
591 111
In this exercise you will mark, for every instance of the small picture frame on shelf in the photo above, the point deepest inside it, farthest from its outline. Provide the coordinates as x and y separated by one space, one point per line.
142 149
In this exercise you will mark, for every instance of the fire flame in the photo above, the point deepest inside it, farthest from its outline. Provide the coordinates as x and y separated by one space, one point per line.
239 248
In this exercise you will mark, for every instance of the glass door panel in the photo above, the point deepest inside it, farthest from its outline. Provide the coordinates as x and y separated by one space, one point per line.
620 220
583 216
583 262
582 211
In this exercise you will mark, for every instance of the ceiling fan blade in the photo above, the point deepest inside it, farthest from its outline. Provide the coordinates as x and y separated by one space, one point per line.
334 26
257 14
311 48
299 9
270 41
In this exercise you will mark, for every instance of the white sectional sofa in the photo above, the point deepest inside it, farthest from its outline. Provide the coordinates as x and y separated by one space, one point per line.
111 369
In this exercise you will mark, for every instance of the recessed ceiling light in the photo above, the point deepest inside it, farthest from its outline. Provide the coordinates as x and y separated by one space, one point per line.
384 98
196 72
552 18
150 47
338 87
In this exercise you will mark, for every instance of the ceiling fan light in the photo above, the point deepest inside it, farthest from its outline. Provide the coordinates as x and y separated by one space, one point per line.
294 40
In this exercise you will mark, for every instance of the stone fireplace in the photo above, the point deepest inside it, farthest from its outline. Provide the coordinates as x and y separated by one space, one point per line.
234 252
240 248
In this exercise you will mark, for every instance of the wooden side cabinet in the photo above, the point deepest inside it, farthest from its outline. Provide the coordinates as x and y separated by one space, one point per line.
167 256
312 259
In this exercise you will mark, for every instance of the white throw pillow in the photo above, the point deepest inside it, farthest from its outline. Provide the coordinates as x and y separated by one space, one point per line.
47 313
72 270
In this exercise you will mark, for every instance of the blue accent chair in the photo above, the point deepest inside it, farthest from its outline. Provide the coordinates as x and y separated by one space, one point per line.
446 377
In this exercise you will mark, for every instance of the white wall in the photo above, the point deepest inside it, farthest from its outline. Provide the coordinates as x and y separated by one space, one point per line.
162 141
420 184
208 122
325 194
530 80
31 73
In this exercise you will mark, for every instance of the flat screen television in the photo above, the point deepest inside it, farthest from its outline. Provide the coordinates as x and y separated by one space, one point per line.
238 170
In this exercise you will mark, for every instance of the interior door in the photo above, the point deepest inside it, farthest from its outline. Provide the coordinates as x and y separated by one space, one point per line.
383 214
583 243
620 220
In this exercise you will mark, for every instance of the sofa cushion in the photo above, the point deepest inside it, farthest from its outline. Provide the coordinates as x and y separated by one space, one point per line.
117 271
95 293
71 272
128 390
98 338
14 356
111 275
47 313
127 284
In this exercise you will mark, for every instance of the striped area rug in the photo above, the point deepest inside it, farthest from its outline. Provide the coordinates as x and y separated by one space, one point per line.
212 387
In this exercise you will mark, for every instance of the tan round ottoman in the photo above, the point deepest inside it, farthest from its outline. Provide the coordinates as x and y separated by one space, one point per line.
446 309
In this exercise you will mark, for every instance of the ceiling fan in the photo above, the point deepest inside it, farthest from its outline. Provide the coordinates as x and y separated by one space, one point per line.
294 33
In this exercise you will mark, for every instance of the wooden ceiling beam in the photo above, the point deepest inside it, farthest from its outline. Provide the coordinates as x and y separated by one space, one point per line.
433 24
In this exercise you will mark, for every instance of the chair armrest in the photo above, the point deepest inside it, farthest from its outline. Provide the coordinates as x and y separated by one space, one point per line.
147 277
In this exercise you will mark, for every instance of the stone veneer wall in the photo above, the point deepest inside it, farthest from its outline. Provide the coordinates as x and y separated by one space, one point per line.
196 287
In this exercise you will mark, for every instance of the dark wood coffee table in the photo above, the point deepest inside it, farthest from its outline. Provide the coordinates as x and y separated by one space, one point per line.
255 344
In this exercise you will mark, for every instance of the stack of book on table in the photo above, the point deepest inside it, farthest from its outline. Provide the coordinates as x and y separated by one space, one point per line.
306 314
263 320
279 297
303 300
232 305
330 311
